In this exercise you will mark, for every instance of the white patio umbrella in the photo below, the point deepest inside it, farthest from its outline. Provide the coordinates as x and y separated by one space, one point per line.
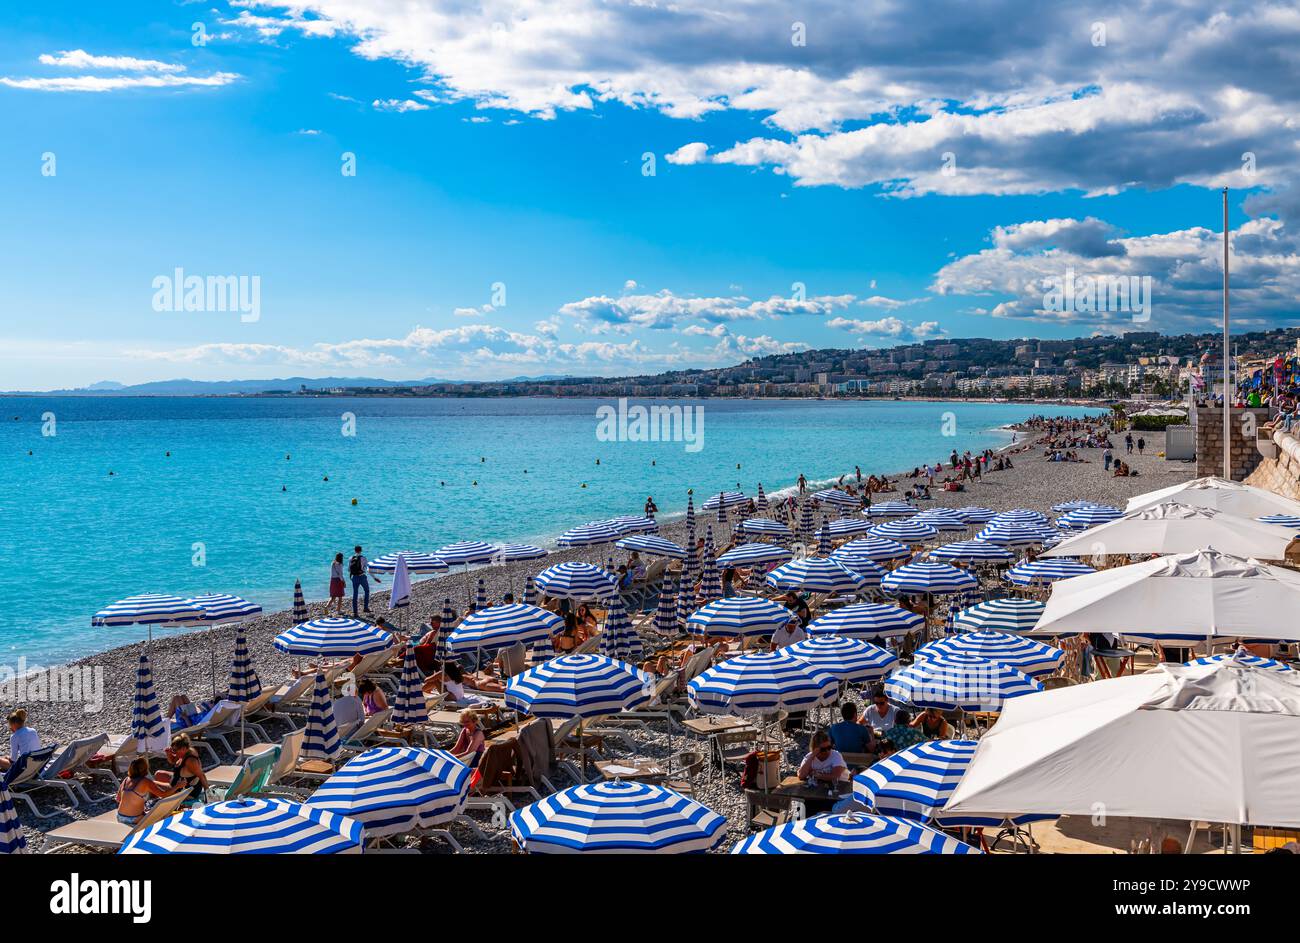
400 595
1194 596
1211 743
1231 497
1171 527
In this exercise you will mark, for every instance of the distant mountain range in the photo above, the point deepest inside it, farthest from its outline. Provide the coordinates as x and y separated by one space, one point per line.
182 387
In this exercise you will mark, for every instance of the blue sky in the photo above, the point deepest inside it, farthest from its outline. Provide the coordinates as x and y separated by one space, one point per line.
504 145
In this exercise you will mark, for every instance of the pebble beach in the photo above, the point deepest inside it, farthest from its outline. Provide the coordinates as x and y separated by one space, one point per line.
184 663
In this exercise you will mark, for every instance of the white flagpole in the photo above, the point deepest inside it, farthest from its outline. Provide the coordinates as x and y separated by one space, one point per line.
1227 363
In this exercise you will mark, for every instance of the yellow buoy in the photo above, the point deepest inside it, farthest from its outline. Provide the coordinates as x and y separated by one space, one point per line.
354 502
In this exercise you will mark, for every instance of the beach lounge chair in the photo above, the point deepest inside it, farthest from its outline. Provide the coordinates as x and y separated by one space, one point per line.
104 832
251 778
215 725
290 699
257 710
26 776
366 735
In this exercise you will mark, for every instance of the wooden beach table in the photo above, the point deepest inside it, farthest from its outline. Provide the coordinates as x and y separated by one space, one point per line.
815 799
712 726
645 771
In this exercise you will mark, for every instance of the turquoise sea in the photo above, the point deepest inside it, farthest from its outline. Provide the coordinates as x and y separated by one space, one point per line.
239 485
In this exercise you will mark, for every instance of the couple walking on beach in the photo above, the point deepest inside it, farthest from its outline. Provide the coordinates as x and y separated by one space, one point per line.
358 569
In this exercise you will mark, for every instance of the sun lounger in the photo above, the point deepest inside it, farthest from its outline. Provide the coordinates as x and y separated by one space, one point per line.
367 734
215 725
104 832
251 777
24 776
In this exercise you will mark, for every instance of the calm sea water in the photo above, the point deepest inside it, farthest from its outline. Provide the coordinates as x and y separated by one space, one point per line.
245 479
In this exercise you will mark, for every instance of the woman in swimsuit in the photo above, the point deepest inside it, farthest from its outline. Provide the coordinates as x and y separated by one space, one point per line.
187 770
135 792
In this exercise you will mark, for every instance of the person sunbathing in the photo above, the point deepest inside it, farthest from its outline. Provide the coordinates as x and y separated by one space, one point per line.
372 699
135 792
470 743
186 773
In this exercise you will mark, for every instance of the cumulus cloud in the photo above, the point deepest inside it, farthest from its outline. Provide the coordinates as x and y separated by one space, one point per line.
399 105
888 327
664 309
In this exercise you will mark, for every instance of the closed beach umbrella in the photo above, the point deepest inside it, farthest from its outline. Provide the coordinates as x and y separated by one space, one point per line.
879 549
1026 655
244 684
905 531
711 580
1083 518
1000 615
958 682
400 594
394 790
653 545
467 553
530 592
444 627
824 545
299 604
509 553
249 826
11 830
837 498
685 598
593 533
852 833
760 503
480 595
722 515
146 718
617 818
1281 520
845 658
916 782
742 616
582 686
1241 658
806 525
1015 533
816 575
974 514
972 551
416 562
321 740
927 576
762 527
666 611
761 682
502 626
332 636
579 581
690 512
755 555
409 706
1180 528
867 620
150 609
617 638
891 509
1042 572
871 572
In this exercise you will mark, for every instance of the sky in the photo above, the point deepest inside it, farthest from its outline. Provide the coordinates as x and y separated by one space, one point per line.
418 188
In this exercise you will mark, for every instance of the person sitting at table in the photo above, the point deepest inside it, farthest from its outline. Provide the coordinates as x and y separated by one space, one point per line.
881 714
932 725
823 762
134 792
849 735
372 699
788 634
901 734
470 743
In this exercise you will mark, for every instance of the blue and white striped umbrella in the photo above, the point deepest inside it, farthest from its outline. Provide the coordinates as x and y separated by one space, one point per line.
1011 614
846 658
299 613
725 499
502 626
877 548
244 684
891 509
634 524
722 515
1015 533
755 555
1020 516
1254 661
321 740
685 597
1066 506
146 717
480 596
332 636
744 616
149 609
837 498
761 682
249 826
868 620
409 706
941 519
591 534
617 638
574 580
221 608
806 526
690 512
467 552
617 818
916 783
762 527
1026 655
870 571
666 622
851 833
974 514
530 591
416 562
958 682
12 841
509 553
905 531
444 626
395 790
708 538
761 501
578 686
711 580
1046 570
1283 520
972 551
824 545
845 527
1083 518
928 576
816 575
653 545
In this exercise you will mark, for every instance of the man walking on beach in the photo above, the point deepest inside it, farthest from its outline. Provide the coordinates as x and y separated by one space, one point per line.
1106 457
1142 443
357 567
1128 443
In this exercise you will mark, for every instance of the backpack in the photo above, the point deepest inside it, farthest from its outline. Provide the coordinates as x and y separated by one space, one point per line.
354 565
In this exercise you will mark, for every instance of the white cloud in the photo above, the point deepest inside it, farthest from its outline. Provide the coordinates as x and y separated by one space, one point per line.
664 309
398 104
80 59
139 73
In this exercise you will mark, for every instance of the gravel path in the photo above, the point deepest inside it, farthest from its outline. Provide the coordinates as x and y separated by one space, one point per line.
184 664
